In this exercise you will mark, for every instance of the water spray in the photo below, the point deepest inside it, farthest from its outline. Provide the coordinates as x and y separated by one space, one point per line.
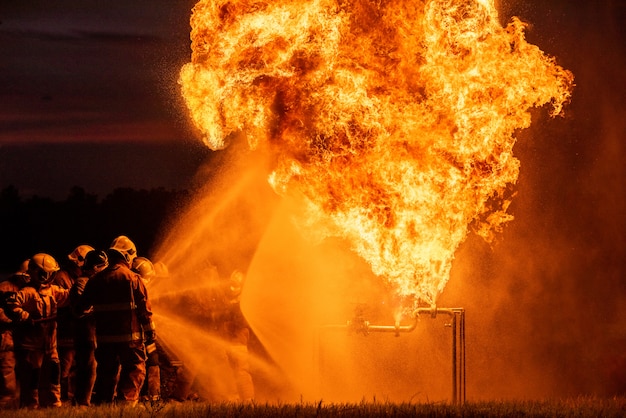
391 124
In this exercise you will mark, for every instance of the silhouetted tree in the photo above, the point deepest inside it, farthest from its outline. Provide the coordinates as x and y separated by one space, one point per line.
12 232
39 224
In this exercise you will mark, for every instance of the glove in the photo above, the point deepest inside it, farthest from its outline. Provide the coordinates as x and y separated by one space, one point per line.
150 337
25 319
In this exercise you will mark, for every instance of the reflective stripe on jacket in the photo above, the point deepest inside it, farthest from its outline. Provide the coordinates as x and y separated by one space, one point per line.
121 308
41 304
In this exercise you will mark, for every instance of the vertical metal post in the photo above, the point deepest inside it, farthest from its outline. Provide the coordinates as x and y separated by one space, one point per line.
458 356
462 361
454 361
359 325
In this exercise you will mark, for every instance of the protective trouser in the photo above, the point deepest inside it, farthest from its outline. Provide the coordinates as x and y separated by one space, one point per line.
8 381
239 362
153 372
30 364
85 372
127 359
67 357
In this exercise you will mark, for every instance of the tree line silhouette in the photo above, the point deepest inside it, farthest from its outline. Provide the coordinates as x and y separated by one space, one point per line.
39 224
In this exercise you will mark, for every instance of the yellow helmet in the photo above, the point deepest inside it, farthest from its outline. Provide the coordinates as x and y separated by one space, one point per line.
21 276
79 253
145 268
24 266
125 247
41 268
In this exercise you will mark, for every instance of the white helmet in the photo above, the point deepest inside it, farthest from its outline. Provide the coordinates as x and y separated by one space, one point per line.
79 253
126 247
145 268
41 268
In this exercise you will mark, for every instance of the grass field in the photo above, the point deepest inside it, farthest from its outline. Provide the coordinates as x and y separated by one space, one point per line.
580 407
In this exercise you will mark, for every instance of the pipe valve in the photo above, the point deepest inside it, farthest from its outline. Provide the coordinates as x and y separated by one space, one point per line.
359 325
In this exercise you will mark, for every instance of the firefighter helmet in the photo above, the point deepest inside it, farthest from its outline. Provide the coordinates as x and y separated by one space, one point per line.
41 268
236 282
145 268
79 253
95 261
21 277
24 266
125 247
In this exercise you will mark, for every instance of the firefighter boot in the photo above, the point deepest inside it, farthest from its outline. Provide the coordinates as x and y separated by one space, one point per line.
55 392
154 383
65 387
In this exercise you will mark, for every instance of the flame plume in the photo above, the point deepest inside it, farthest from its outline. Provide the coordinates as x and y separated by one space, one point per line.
393 120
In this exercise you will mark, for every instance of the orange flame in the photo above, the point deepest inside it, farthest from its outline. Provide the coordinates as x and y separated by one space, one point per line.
393 120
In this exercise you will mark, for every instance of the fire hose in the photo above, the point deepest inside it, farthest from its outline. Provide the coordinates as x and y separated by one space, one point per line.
33 321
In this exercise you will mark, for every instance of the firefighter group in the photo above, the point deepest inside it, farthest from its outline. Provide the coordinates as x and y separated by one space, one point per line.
82 332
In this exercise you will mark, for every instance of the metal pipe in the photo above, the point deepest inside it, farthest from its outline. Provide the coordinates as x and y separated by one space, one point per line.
462 357
396 328
454 378
360 325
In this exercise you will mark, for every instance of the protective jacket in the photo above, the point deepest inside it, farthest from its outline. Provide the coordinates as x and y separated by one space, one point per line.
121 308
36 309
7 287
85 324
66 322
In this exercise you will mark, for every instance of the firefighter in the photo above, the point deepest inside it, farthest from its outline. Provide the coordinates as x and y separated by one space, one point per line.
123 318
237 334
8 382
70 271
85 331
34 308
146 270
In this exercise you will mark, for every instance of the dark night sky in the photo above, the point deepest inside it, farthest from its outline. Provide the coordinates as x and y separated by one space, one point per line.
77 77
88 93
76 71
